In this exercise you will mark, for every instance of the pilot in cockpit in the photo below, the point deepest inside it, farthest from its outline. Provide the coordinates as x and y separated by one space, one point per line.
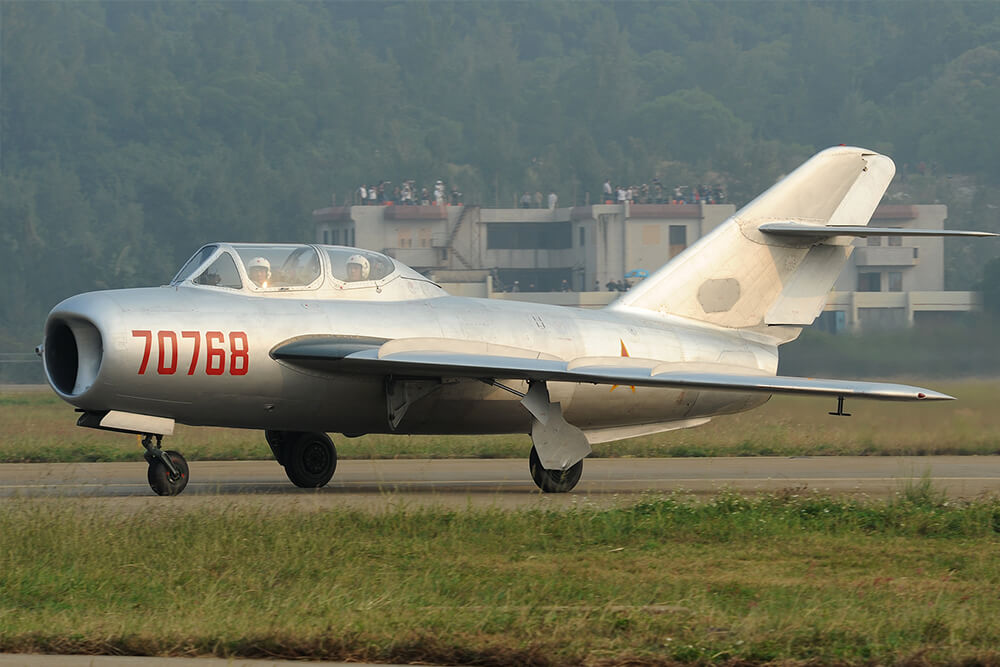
259 271
357 268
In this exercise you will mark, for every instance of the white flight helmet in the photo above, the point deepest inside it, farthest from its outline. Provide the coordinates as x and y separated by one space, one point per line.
362 262
260 262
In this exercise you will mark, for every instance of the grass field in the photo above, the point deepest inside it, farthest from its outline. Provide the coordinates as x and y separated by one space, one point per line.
786 578
783 578
37 426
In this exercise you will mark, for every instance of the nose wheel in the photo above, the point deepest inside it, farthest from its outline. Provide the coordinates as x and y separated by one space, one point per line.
168 471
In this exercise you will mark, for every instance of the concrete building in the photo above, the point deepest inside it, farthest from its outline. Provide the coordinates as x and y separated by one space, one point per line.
539 254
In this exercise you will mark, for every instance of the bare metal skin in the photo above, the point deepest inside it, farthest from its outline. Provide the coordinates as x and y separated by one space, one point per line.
300 340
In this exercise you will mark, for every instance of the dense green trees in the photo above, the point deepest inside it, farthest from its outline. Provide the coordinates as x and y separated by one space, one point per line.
132 132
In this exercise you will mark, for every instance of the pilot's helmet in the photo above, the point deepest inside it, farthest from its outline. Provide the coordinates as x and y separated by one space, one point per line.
259 263
361 262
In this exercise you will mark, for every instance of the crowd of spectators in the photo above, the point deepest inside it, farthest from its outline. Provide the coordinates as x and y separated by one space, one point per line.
538 201
406 194
409 193
622 285
655 193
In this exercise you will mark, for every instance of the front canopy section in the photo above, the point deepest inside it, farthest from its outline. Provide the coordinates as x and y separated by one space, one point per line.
280 267
254 267
292 269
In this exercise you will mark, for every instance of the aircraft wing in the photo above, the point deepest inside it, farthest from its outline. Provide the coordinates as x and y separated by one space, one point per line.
336 357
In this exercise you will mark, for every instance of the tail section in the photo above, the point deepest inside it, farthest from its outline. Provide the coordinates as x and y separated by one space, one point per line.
740 276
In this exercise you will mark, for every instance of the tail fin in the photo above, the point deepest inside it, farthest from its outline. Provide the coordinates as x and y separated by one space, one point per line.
741 276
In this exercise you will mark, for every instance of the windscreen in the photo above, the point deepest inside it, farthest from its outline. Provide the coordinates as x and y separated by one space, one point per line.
221 273
196 261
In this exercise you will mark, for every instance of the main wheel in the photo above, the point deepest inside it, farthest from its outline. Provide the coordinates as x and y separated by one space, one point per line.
162 481
310 460
554 481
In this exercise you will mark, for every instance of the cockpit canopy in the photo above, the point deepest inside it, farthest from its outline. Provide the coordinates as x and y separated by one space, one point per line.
268 268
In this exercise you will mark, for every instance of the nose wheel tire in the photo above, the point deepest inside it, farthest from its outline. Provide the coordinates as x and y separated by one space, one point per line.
310 460
162 480
554 481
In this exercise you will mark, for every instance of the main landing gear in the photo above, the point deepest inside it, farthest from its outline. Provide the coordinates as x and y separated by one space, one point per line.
554 481
168 471
309 459
563 445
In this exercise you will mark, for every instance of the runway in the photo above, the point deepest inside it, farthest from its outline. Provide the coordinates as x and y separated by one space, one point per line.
502 483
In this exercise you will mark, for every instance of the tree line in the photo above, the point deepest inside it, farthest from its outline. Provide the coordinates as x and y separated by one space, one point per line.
133 132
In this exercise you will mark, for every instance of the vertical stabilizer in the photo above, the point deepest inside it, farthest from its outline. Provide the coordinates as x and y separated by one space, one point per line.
737 276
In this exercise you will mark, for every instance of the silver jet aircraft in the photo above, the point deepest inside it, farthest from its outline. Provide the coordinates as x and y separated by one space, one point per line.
302 340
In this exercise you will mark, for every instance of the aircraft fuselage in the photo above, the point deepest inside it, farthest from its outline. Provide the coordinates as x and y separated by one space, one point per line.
203 358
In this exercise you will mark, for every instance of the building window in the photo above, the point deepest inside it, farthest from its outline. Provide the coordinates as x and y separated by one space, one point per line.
896 240
326 237
336 237
583 236
533 280
895 281
529 236
678 239
874 240
869 282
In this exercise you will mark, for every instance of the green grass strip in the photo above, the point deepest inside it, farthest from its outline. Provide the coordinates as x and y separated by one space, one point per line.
781 577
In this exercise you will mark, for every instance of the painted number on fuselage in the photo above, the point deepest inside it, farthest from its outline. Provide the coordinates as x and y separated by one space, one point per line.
168 345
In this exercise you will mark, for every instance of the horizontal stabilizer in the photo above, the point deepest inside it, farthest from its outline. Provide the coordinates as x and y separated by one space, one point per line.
444 364
798 229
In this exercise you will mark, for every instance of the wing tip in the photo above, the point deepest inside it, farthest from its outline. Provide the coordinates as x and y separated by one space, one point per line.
929 395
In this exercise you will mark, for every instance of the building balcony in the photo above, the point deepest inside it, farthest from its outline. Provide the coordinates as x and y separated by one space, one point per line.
332 214
885 256
418 213
895 212
665 211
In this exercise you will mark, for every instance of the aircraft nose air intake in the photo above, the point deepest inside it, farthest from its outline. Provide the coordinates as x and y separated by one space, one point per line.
72 353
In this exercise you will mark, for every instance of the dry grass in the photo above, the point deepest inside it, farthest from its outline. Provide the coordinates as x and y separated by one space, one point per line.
39 427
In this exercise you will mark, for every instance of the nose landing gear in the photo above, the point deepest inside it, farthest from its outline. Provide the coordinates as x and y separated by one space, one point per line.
168 471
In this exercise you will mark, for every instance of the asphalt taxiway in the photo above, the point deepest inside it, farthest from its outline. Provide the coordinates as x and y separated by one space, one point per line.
504 482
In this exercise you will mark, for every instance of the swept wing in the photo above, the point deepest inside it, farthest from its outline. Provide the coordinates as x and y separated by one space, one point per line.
338 356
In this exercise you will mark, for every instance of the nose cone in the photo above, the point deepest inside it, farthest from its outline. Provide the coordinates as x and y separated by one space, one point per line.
74 347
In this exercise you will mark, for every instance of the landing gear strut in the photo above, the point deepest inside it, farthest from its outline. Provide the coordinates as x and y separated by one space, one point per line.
309 459
168 471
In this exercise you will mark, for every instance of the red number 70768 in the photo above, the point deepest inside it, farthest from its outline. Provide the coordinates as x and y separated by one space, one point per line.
168 351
